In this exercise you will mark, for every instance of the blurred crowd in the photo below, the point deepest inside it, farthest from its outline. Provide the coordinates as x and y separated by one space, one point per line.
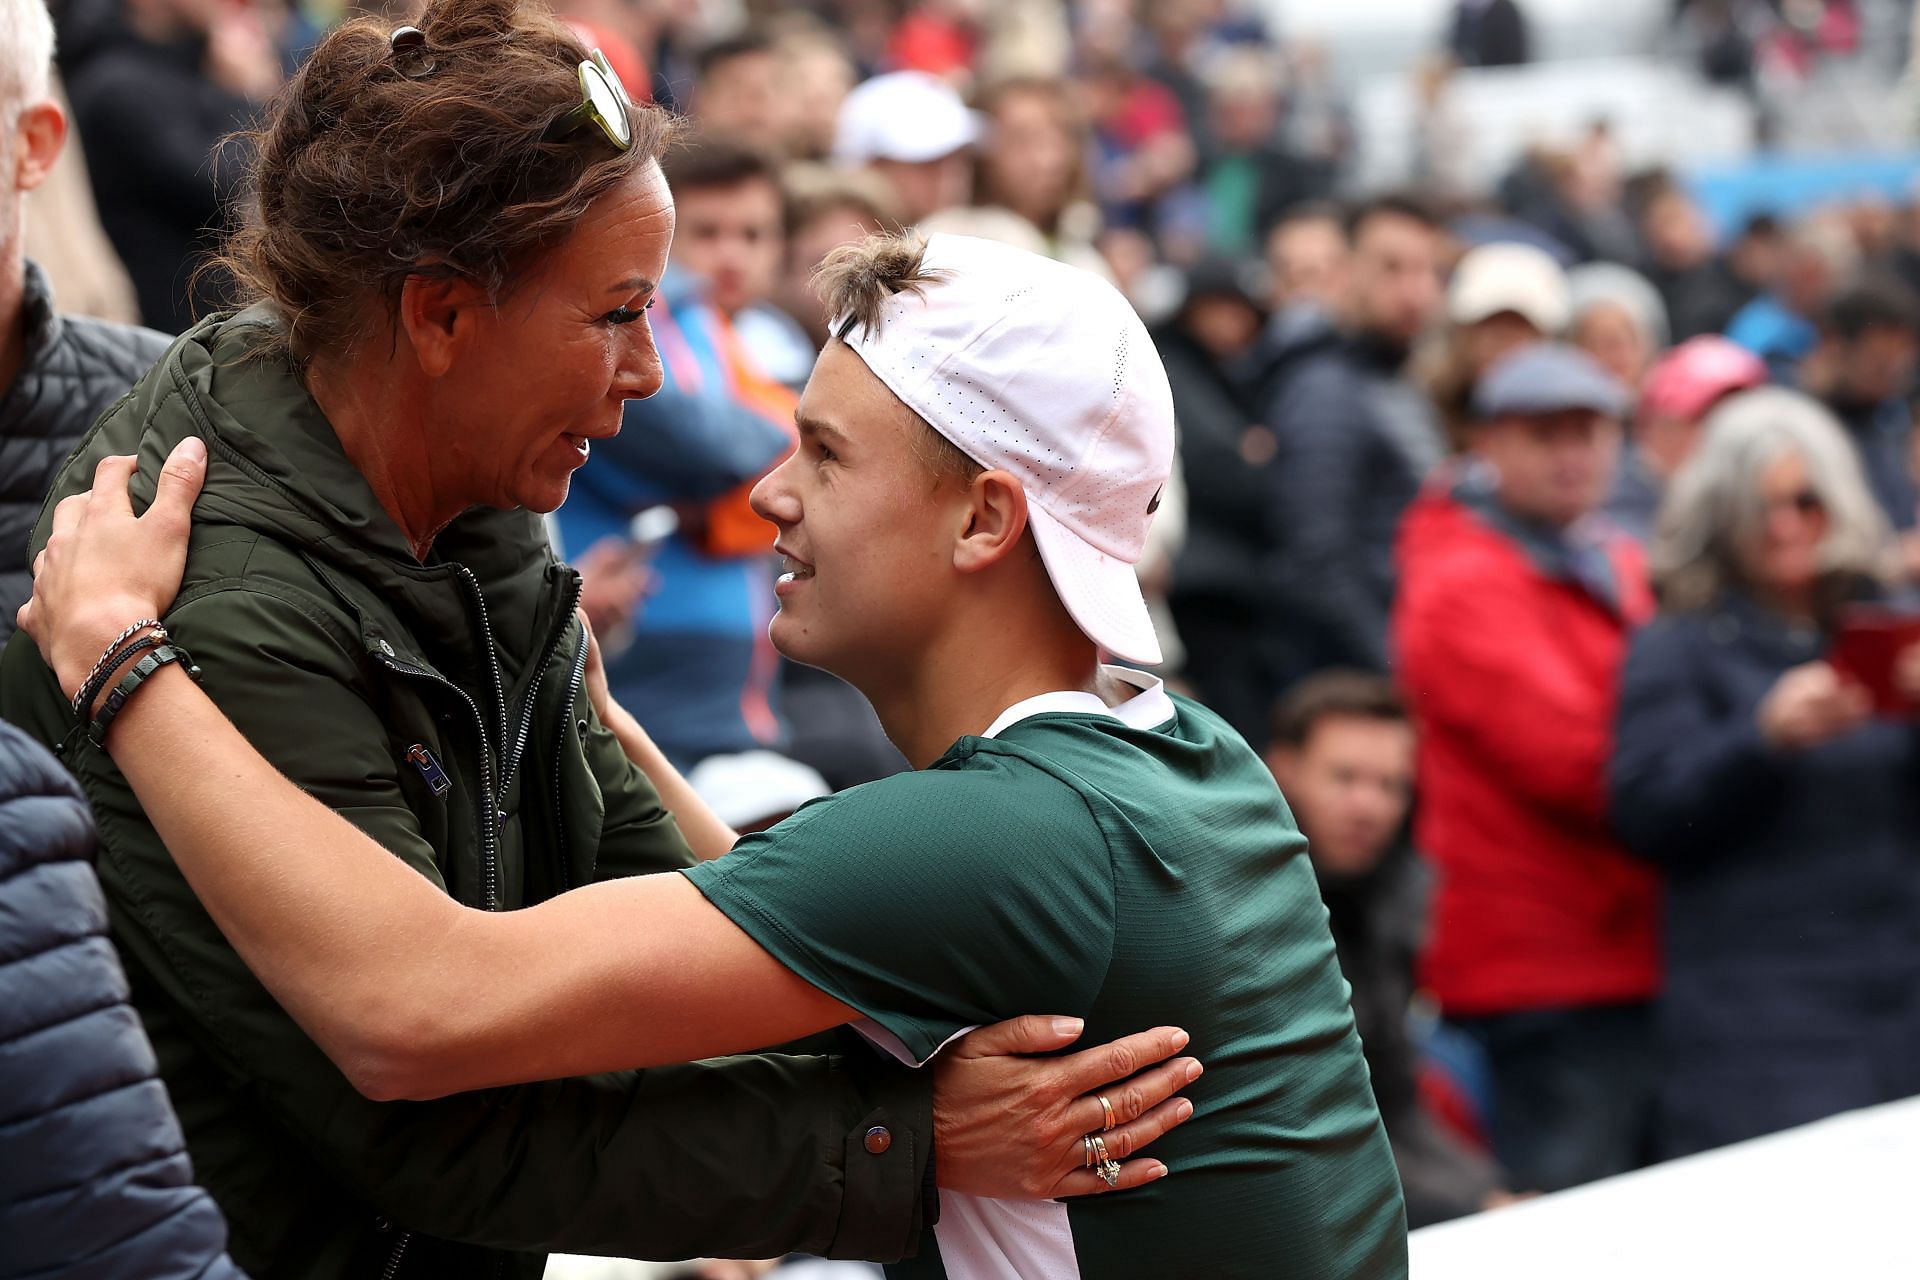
1542 537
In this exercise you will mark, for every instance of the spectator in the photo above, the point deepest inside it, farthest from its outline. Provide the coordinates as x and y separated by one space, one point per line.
1503 296
914 131
1219 597
738 90
1618 319
57 373
700 669
1033 161
1142 145
162 200
98 1182
1343 754
65 237
1781 812
1354 437
1702 291
826 208
1678 394
1781 326
816 75
1489 33
1307 258
1861 369
1247 176
1511 625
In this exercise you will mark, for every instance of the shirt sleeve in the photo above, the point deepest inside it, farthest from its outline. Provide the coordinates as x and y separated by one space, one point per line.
933 901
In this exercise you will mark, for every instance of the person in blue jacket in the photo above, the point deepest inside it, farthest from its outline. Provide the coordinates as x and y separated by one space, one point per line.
1785 814
94 1176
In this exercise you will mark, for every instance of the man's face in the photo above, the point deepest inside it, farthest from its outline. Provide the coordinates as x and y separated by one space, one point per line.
733 237
926 187
1396 276
1350 786
866 528
1309 262
1877 365
741 96
1552 467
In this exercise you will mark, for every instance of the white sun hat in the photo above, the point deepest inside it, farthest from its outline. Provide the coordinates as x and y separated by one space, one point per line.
1042 370
908 116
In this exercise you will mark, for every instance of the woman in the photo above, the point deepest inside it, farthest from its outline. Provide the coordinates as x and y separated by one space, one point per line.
1784 813
1033 161
1618 319
455 236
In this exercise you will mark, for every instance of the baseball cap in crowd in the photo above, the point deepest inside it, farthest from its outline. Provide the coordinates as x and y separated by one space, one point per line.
1042 370
907 116
1509 276
1698 374
749 788
1547 377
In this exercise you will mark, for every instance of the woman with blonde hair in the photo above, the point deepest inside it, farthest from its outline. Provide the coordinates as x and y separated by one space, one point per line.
1757 775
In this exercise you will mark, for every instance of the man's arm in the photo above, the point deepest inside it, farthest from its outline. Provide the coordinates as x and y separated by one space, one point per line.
770 1147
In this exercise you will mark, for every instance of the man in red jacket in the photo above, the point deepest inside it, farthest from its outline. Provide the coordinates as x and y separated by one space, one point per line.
1510 628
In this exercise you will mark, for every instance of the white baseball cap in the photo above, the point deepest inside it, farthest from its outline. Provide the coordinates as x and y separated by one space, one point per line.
1510 276
1042 370
908 116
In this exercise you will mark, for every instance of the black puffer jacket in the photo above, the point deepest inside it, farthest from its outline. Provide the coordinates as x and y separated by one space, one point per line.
94 1178
75 368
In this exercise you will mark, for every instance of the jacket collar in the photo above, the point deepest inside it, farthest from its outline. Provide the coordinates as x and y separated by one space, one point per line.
43 323
1576 555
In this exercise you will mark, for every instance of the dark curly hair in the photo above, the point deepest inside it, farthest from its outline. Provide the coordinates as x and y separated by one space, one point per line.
444 160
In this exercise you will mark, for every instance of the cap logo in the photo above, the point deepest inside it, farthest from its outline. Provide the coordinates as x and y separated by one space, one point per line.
1154 505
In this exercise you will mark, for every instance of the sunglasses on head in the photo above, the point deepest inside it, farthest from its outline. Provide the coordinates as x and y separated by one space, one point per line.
604 100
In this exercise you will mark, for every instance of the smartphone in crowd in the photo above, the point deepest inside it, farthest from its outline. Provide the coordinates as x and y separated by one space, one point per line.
1867 648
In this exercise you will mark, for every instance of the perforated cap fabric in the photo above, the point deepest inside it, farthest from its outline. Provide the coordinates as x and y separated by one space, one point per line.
1043 370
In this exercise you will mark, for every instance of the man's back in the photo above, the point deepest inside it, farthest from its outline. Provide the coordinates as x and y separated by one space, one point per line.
1133 868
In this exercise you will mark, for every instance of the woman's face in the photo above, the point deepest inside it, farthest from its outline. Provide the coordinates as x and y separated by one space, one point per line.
1030 157
1607 332
1783 554
549 369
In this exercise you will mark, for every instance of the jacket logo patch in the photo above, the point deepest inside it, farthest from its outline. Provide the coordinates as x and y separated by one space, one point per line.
422 759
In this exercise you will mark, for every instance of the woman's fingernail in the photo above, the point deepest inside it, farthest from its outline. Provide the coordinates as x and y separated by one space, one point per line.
1067 1026
193 449
1180 1039
1184 1110
1193 1071
1162 1172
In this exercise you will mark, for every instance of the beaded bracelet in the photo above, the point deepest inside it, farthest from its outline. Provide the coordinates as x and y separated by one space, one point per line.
105 665
160 657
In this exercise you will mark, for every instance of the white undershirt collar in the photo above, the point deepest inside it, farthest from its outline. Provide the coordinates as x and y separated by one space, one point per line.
1150 708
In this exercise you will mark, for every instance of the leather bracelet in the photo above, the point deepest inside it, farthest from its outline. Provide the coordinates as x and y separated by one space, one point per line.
109 667
160 657
101 667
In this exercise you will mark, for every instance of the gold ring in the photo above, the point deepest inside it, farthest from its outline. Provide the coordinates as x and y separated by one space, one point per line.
1108 1108
1087 1142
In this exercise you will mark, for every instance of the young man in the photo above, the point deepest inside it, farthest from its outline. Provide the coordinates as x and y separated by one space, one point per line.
1343 753
1510 631
982 448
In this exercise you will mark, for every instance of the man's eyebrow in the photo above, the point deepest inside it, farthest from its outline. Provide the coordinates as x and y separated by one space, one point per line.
632 284
813 427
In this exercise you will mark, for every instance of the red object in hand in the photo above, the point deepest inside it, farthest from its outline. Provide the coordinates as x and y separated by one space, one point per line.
1867 650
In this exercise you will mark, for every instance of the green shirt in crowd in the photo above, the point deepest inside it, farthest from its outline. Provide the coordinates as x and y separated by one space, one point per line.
1137 867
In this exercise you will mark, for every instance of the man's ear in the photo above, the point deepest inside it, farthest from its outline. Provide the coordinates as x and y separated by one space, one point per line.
38 137
996 516
439 315
1282 760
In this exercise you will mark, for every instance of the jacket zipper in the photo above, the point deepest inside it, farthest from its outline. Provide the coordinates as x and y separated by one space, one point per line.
399 1252
490 812
511 765
566 726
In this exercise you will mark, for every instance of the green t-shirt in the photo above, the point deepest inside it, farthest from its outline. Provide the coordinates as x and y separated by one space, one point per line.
1136 868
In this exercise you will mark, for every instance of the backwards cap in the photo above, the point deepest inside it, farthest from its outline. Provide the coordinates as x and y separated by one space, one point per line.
1042 370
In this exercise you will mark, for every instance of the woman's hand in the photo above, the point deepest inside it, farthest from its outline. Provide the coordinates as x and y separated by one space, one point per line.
1811 705
1010 1125
104 568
